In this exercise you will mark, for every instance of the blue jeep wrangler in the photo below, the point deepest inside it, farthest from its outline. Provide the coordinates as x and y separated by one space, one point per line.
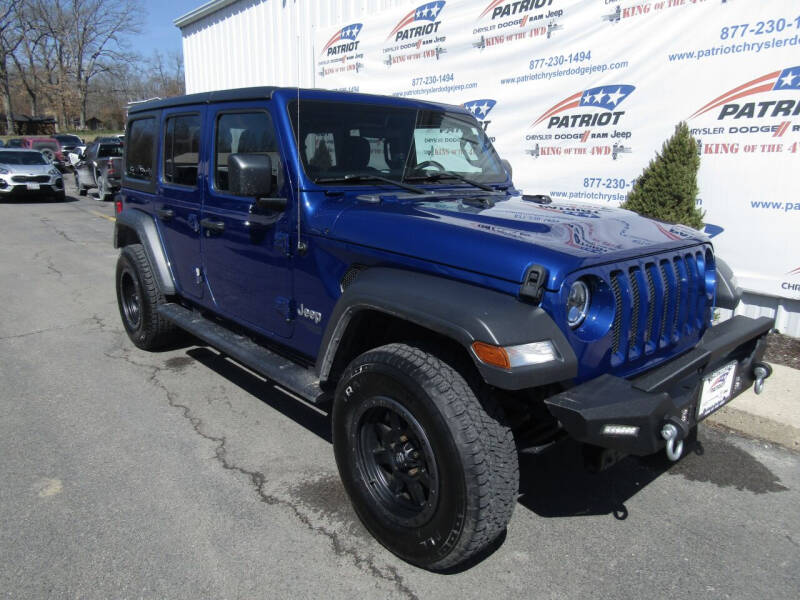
372 255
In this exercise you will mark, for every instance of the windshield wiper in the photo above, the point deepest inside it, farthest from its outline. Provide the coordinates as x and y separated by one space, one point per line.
443 174
354 177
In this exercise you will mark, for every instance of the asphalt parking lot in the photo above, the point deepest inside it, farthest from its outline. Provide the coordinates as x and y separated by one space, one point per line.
181 475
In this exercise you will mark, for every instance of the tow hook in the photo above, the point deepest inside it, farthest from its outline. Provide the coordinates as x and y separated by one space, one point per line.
674 445
761 372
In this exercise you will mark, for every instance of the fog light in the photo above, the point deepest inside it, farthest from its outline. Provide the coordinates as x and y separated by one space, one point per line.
620 430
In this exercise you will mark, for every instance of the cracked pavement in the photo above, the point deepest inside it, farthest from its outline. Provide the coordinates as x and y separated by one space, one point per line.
179 474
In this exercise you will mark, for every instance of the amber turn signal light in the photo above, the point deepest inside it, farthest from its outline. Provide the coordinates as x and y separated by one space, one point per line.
492 355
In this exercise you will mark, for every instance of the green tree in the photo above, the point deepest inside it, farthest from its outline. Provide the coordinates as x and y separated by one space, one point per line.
667 188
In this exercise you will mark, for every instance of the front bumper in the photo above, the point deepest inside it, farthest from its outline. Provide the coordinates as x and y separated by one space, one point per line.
598 411
13 189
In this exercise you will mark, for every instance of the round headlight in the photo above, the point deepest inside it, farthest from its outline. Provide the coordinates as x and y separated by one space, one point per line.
577 303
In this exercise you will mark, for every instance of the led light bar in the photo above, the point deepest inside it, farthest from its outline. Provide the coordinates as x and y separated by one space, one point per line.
620 430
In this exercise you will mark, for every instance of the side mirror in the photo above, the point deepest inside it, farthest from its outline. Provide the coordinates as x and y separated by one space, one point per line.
507 166
250 175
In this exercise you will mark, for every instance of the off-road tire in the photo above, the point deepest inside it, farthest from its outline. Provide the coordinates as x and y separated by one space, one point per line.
138 296
473 471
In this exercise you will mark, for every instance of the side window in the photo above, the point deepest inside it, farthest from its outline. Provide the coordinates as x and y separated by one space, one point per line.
181 149
139 159
245 133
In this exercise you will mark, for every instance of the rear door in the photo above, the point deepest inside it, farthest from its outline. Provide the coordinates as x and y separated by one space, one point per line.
246 264
180 195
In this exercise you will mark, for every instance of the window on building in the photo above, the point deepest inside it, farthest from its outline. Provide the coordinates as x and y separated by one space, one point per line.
181 149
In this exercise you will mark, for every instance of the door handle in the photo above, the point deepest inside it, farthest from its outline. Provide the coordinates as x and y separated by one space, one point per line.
212 225
165 214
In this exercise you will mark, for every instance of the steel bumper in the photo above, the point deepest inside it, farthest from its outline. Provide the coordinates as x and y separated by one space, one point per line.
628 415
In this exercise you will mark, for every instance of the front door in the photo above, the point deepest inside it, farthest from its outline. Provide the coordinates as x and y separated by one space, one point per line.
246 263
180 196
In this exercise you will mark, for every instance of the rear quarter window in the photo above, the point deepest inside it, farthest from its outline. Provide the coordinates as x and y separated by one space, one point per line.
140 157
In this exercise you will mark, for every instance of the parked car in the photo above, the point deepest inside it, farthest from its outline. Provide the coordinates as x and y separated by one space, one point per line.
49 147
373 253
14 143
2 144
27 173
99 167
70 143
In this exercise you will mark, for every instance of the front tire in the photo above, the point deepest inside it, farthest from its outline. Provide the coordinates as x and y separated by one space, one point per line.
431 471
138 297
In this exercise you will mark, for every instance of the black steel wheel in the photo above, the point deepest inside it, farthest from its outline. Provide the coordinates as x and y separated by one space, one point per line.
395 456
129 299
138 297
430 469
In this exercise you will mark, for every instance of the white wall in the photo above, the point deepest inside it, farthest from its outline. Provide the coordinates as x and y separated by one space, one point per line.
271 42
263 42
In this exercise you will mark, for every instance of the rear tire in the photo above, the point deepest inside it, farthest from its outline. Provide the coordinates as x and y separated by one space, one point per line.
102 188
431 471
138 297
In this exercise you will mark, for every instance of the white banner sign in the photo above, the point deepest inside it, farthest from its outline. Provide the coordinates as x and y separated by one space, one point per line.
580 94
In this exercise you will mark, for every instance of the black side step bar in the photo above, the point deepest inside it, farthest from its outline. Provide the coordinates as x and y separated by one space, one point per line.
280 370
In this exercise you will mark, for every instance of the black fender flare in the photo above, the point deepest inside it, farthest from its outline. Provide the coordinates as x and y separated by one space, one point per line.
144 226
460 311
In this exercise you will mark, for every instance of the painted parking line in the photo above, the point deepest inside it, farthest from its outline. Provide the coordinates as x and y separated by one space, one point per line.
99 214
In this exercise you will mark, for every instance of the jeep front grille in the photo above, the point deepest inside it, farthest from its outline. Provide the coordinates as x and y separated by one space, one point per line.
656 303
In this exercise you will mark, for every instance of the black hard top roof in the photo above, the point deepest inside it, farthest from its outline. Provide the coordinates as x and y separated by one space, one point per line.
266 93
250 93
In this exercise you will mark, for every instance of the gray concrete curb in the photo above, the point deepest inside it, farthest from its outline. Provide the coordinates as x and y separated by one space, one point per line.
773 416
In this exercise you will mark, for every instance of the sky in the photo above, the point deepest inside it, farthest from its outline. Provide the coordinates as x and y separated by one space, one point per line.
159 32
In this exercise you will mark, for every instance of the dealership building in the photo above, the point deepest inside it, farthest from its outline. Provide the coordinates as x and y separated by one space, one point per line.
578 95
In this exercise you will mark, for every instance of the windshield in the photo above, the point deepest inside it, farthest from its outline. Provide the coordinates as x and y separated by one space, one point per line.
338 140
10 157
109 150
70 140
39 145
